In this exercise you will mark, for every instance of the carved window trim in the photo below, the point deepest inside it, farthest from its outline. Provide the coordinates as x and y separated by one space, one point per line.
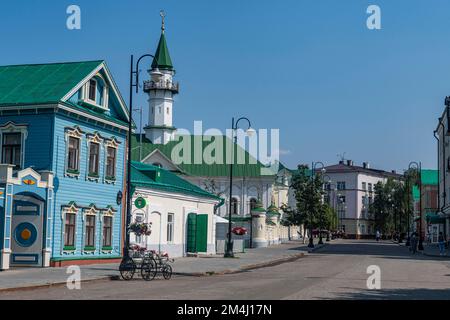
12 127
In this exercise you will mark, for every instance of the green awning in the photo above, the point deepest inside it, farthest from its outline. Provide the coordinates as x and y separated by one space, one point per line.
434 218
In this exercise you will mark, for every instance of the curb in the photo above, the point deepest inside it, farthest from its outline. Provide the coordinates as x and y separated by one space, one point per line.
243 268
56 284
290 258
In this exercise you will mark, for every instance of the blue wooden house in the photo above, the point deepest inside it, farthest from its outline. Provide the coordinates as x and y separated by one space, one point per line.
63 130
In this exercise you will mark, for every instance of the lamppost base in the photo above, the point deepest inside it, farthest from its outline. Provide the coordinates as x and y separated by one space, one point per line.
229 250
311 243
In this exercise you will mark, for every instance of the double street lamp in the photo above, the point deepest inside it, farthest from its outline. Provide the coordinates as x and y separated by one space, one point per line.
134 82
234 127
418 168
313 170
328 189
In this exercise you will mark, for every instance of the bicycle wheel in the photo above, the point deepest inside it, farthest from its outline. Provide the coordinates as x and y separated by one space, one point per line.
167 272
148 269
127 269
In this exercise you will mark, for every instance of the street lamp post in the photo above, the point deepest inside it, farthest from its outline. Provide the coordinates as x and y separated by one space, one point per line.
418 168
328 183
408 211
311 239
234 126
134 82
333 190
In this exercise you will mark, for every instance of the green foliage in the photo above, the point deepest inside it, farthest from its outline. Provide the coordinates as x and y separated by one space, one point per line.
330 218
308 194
390 206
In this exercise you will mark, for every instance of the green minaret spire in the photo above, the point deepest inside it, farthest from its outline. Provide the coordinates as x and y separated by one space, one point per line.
162 55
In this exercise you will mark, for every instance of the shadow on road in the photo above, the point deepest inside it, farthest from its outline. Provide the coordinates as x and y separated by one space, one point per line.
383 249
397 294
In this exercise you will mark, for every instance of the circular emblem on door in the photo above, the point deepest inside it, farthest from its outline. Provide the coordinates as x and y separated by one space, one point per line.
25 234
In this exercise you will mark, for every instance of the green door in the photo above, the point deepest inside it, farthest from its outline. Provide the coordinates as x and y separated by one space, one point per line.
191 233
197 233
202 233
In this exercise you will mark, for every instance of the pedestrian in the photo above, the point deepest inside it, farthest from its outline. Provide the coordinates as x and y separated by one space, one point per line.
441 241
414 240
378 235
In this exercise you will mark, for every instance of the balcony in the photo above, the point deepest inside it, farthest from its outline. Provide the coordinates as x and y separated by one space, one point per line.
161 85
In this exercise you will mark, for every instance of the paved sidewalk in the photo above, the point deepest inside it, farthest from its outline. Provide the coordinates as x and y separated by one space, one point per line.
432 250
429 249
208 265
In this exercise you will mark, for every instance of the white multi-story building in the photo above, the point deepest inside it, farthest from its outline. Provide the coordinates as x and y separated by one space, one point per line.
351 190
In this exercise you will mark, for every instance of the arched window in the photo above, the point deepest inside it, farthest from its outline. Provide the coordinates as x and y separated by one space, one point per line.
234 206
252 204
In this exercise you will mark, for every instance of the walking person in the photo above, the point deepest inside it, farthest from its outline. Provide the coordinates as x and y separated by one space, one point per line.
378 235
441 241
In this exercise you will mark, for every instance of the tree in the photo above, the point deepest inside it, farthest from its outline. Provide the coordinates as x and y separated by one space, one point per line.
330 218
308 194
389 206
210 186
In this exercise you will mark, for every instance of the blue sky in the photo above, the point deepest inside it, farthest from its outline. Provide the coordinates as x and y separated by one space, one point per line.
310 68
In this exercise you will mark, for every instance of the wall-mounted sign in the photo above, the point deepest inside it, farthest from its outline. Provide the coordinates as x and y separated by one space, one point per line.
119 198
140 203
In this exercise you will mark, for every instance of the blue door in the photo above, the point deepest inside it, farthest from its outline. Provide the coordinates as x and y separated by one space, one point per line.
27 231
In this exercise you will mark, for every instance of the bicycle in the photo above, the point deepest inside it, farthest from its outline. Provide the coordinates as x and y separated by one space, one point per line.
162 264
138 258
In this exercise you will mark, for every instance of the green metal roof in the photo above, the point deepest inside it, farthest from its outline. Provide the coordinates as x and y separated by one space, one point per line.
429 177
162 55
415 193
247 169
434 218
41 83
148 176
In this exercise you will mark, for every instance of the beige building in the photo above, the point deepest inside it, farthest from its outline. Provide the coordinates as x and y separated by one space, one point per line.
351 192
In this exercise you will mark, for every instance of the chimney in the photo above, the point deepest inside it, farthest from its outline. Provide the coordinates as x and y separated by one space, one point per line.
341 162
394 172
349 162
366 165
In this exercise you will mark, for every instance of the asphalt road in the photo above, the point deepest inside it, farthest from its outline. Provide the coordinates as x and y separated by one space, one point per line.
338 271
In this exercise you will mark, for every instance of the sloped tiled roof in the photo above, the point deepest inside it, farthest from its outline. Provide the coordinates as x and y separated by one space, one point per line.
41 83
250 168
144 175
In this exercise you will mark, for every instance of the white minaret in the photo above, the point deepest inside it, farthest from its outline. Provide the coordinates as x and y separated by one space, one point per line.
161 90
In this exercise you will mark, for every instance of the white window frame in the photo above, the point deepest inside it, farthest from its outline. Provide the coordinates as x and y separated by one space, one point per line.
77 133
102 228
12 127
72 209
109 212
105 94
94 138
110 143
92 211
170 225
88 96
